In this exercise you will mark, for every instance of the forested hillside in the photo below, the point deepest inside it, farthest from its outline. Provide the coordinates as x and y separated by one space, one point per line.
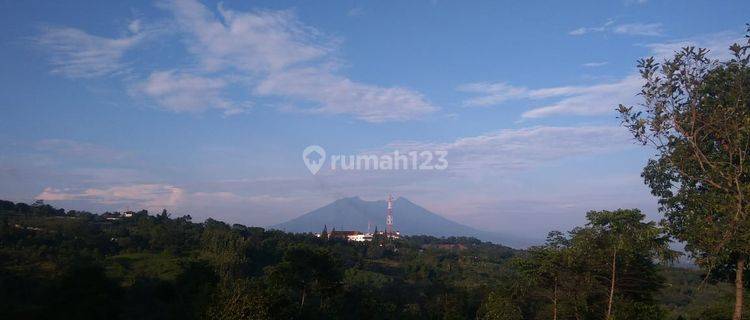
72 264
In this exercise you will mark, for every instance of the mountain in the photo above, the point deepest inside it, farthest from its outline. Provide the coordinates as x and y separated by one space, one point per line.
409 219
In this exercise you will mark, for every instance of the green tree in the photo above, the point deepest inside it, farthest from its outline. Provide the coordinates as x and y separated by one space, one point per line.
499 307
546 267
239 300
628 242
605 270
307 270
225 249
695 113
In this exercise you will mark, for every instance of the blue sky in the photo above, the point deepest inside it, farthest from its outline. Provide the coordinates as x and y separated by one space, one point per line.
204 107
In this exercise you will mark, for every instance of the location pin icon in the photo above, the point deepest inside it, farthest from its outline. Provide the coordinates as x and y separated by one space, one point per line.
314 156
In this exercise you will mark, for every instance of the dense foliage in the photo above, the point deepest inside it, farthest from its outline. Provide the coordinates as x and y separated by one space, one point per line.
696 115
71 264
605 270
74 264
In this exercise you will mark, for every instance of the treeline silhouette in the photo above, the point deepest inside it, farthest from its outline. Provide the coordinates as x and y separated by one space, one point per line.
73 264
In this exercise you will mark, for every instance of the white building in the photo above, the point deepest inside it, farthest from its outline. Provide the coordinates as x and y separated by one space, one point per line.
361 237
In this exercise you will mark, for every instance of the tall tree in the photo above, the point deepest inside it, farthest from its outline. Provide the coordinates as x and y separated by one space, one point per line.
696 114
546 266
606 269
498 307
307 270
627 242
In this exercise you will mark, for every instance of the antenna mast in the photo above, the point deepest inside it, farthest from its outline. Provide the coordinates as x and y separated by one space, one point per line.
389 217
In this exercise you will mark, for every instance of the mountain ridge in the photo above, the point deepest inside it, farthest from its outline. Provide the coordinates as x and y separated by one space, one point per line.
354 213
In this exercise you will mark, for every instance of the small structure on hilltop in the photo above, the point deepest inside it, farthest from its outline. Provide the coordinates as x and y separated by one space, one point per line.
344 234
389 231
117 215
358 236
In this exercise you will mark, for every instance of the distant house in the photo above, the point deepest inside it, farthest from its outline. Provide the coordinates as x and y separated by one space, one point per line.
353 235
117 216
111 215
343 234
361 237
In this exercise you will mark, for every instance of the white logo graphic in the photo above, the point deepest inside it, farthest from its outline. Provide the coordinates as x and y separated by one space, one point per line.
314 156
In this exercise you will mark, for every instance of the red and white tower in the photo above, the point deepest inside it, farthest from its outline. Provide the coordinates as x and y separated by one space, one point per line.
389 218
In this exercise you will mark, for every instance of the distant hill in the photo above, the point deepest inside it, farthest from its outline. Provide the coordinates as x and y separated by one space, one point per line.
409 218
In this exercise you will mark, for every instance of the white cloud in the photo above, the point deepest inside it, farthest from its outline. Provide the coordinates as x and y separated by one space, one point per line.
717 43
595 99
289 60
578 32
632 29
355 12
135 26
233 198
183 92
494 156
251 41
271 53
491 93
77 54
340 95
584 30
640 29
150 196
155 197
595 64
572 100
590 100
525 148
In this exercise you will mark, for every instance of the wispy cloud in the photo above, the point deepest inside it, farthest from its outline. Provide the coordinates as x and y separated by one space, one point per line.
184 92
595 64
490 94
157 196
291 61
282 57
339 95
590 100
250 41
573 100
273 53
594 99
266 201
639 29
150 196
77 54
632 29
355 12
578 32
524 148
584 30
718 44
